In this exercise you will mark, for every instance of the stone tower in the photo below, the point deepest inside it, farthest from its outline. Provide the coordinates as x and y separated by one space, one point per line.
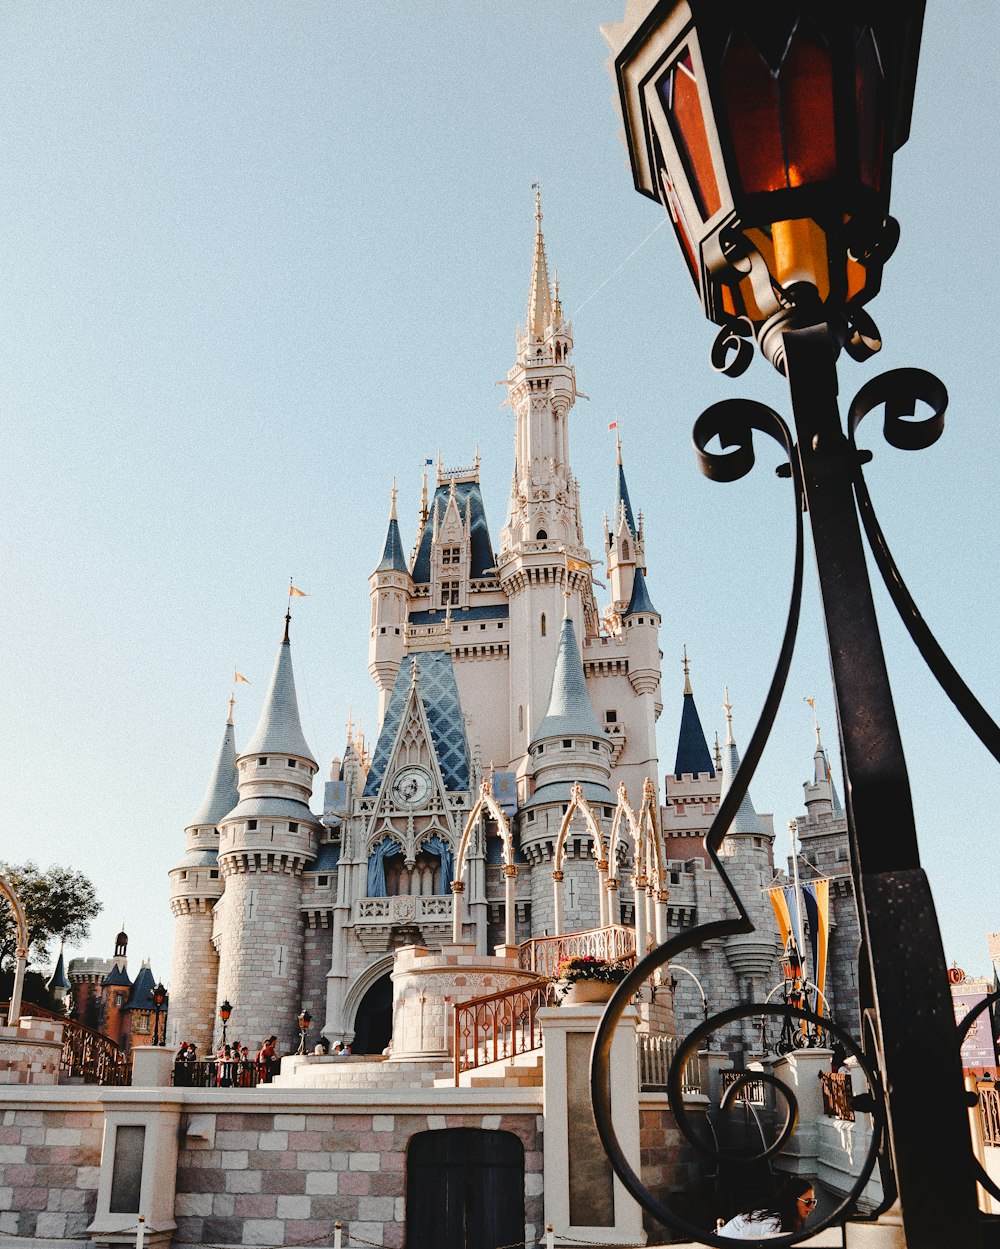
265 842
195 887
390 590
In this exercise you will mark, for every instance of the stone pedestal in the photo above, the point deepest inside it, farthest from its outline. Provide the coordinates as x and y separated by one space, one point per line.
584 1200
138 1171
30 1051
800 1070
152 1066
426 988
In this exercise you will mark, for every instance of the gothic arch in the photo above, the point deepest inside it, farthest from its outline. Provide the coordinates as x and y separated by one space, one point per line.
360 986
577 803
20 951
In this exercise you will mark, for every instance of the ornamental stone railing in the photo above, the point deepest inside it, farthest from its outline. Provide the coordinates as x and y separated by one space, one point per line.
403 909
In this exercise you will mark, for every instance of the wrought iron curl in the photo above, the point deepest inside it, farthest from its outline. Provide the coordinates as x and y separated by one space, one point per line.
732 350
899 391
733 422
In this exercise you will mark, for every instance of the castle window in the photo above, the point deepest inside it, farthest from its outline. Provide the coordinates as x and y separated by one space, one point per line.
262 763
292 763
541 535
520 718
293 827
451 555
500 625
567 743
251 825
595 745
611 717
213 874
184 875
543 625
482 626
624 550
449 593
322 881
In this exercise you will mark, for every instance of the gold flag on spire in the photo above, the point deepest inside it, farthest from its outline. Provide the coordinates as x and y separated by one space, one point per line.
294 592
238 677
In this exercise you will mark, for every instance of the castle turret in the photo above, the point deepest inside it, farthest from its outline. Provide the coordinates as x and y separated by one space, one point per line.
195 887
691 792
568 746
623 541
265 841
748 854
542 550
58 983
390 589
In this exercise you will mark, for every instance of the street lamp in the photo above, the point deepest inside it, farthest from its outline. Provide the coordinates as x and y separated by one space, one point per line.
305 1019
768 132
225 1010
159 997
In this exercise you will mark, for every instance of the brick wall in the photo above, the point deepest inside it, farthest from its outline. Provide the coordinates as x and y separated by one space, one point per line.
49 1168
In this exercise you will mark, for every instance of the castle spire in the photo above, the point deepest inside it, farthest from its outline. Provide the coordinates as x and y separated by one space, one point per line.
279 730
540 293
693 757
746 820
570 709
222 794
622 502
393 559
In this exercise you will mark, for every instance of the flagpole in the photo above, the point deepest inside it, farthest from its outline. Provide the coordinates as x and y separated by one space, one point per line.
800 931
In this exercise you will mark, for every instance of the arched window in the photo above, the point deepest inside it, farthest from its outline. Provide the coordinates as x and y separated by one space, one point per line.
541 535
543 625
624 550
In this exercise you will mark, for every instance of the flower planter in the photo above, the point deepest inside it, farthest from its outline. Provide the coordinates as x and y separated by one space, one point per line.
574 992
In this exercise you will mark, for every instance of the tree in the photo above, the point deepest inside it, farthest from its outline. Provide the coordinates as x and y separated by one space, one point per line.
58 902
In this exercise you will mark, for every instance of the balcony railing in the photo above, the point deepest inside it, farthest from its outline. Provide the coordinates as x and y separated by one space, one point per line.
542 955
210 1073
499 1026
403 908
656 1052
837 1103
93 1057
752 1093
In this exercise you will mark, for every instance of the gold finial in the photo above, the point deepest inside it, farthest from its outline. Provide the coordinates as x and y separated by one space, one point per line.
350 726
424 506
718 754
687 673
232 703
618 444
566 598
537 184
729 718
475 461
392 500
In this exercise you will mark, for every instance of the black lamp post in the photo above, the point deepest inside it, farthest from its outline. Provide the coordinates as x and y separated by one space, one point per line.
159 997
768 132
305 1019
225 1010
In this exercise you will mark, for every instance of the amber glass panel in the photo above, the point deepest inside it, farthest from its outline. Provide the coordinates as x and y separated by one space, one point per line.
751 102
869 91
807 110
688 126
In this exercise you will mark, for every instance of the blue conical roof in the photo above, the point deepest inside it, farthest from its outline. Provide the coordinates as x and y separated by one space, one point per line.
570 709
58 979
141 997
693 755
640 600
279 731
393 559
622 500
222 794
746 821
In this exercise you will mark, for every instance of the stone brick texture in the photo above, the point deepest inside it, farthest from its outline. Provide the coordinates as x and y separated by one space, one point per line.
49 1168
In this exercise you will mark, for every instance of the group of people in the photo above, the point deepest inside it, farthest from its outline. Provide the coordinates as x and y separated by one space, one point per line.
234 1066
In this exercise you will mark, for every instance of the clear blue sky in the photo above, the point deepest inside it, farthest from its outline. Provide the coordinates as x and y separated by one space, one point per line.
257 258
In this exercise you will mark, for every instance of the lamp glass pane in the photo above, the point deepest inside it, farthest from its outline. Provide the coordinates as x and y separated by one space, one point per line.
806 86
750 93
869 88
680 225
687 124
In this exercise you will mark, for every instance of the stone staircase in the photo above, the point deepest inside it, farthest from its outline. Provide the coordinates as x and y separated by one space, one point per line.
522 1071
362 1073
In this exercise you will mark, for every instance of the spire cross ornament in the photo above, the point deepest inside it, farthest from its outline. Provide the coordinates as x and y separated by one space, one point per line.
687 672
727 705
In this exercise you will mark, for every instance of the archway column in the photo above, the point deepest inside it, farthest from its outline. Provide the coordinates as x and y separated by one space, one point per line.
510 904
557 897
457 890
602 892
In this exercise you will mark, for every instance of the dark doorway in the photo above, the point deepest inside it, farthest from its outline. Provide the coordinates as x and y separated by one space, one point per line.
464 1190
373 1022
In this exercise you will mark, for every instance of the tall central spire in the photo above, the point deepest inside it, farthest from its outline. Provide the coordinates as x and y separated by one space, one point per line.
540 294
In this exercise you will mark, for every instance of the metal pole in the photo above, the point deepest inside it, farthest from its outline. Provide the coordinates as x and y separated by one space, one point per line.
140 1233
902 941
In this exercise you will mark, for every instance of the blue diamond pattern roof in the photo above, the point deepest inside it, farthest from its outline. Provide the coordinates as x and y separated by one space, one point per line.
470 502
460 615
693 755
279 731
393 559
222 794
438 692
570 709
745 821
327 860
640 600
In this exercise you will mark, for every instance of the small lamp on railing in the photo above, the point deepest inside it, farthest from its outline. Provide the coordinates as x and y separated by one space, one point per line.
225 1010
159 997
305 1019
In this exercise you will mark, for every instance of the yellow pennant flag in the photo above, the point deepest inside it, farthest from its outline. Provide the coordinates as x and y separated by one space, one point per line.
238 677
577 565
296 593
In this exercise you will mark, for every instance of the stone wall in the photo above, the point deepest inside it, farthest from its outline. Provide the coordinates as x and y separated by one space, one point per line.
49 1168
671 1169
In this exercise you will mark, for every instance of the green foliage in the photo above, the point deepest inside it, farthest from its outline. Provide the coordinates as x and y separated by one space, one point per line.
586 967
57 902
